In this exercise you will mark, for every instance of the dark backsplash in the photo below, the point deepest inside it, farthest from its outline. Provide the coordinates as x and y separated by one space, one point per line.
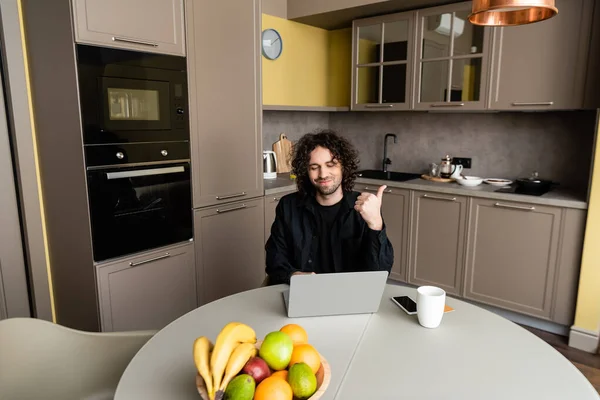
558 145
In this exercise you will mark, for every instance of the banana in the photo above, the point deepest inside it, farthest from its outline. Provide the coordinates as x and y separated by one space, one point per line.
240 356
202 349
230 336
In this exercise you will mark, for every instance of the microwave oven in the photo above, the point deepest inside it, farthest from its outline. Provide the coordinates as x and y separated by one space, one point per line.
131 97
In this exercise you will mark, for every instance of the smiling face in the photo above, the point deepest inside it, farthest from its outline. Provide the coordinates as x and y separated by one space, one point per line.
325 172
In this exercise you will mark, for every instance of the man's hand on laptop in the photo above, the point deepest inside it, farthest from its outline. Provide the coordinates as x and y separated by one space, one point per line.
303 273
369 207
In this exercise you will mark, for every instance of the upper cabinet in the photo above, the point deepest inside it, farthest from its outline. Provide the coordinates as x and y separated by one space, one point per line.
434 58
543 65
153 26
225 100
382 62
452 59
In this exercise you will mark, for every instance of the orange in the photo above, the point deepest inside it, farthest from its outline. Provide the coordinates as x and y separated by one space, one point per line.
281 374
296 332
273 388
307 354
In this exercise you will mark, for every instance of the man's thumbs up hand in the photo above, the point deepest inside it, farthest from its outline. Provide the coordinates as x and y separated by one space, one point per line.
369 207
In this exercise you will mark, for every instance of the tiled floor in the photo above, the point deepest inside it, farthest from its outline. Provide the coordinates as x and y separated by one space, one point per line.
587 363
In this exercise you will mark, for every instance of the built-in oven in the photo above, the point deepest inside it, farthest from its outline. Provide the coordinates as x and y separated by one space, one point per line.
139 197
130 96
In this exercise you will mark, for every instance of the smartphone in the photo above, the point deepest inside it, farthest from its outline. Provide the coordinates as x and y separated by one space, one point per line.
406 303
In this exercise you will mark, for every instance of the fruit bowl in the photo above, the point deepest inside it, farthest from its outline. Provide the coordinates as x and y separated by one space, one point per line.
323 377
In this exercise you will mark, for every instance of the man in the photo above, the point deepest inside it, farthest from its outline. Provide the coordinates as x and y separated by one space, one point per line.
326 226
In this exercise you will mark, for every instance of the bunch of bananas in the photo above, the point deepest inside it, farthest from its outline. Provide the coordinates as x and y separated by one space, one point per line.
217 365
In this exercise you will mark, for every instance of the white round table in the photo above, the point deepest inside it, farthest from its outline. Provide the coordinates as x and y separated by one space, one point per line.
473 354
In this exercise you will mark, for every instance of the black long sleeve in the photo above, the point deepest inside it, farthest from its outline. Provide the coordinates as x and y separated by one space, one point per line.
279 262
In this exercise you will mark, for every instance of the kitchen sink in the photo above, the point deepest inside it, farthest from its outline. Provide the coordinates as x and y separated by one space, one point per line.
388 176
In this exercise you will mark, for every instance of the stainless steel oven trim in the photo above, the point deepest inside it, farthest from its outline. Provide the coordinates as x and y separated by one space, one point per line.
142 164
144 172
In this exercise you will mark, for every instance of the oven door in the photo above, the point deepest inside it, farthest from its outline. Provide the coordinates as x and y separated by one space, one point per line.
134 209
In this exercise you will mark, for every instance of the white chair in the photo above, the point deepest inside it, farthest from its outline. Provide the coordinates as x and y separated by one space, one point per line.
43 360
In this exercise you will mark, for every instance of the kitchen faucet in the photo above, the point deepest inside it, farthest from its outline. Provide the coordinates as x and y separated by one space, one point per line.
386 160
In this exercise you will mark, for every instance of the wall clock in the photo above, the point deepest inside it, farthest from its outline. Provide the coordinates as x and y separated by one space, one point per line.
272 44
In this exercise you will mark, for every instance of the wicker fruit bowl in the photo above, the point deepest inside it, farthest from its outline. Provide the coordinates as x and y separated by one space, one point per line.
323 376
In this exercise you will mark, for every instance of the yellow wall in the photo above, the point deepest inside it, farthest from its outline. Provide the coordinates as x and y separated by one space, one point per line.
313 69
587 315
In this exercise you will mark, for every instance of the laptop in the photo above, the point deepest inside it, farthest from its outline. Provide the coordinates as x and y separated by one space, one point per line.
335 294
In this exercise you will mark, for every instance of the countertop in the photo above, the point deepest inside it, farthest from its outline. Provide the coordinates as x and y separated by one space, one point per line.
558 197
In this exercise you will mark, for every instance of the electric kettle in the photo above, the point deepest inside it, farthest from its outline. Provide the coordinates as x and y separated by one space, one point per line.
269 165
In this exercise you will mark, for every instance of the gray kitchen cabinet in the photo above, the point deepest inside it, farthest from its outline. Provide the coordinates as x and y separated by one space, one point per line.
524 257
572 234
382 62
156 26
395 209
147 291
543 65
437 240
271 203
224 67
230 256
452 59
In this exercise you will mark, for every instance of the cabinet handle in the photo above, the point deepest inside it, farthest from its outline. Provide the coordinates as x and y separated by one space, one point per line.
135 264
231 209
515 207
448 105
542 103
379 106
231 196
375 190
120 39
439 197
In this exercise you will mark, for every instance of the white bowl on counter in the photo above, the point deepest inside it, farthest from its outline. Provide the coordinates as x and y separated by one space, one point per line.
469 180
498 182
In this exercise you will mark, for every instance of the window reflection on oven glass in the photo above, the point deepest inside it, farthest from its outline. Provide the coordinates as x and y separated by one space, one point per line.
133 104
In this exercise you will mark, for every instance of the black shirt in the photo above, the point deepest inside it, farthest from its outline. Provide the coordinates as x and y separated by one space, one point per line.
326 216
293 245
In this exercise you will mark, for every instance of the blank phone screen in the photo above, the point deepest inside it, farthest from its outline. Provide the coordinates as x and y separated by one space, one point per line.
406 302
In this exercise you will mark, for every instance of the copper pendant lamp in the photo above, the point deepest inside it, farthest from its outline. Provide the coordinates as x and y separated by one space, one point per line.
511 12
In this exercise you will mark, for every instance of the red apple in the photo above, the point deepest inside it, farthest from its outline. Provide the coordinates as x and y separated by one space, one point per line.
257 368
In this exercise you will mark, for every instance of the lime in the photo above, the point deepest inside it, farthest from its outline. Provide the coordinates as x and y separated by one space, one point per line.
240 388
276 350
302 380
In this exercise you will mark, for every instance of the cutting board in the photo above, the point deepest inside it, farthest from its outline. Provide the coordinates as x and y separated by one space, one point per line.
283 153
436 178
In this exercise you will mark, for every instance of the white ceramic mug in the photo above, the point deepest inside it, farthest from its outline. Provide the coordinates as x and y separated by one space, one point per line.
431 301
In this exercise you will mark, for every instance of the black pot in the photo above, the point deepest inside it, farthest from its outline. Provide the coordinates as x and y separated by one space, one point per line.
534 185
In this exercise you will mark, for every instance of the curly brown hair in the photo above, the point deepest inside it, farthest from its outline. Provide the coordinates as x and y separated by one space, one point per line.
341 149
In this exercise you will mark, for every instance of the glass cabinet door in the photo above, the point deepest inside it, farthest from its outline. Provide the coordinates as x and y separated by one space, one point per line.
382 62
452 59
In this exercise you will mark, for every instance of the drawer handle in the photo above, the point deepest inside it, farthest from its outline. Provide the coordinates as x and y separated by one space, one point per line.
542 103
231 209
448 105
135 264
439 197
515 207
125 40
379 105
375 190
231 196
